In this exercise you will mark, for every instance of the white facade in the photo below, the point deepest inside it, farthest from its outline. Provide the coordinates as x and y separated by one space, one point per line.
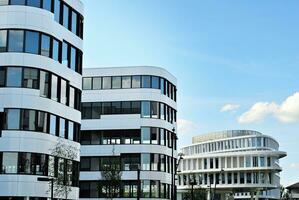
39 96
239 162
116 126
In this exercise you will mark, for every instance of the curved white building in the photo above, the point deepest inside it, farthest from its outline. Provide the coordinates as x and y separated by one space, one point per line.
129 122
40 91
243 163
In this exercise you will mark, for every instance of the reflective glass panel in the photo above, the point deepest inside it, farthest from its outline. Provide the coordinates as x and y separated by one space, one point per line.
32 42
13 119
145 109
106 82
45 47
34 3
14 77
3 40
10 163
136 81
126 82
16 41
97 83
47 4
17 2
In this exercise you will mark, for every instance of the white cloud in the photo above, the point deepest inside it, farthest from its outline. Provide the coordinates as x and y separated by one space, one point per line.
287 112
229 107
289 109
257 113
186 126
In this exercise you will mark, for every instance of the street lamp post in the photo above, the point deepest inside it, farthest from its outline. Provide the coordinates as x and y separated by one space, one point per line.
44 179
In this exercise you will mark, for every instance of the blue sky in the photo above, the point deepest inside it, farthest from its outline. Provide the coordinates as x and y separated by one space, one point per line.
239 53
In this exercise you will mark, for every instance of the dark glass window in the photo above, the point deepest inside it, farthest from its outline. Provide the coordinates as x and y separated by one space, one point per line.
24 163
106 82
155 82
136 107
97 83
13 119
54 87
65 59
17 2
30 78
126 82
42 121
116 107
154 109
96 110
136 81
32 42
16 41
116 82
73 59
44 83
154 135
53 121
74 22
86 110
14 77
57 10
66 10
55 50
145 109
126 107
146 189
47 4
87 83
146 81
35 3
2 77
94 164
3 40
106 108
45 46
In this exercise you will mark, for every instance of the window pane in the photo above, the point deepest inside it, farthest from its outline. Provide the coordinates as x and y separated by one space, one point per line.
17 2
24 162
145 109
145 135
106 82
71 130
55 50
146 81
106 108
96 110
2 77
53 125
136 109
28 120
65 48
35 3
47 4
97 83
45 48
16 41
154 109
44 84
87 83
3 2
30 79
162 85
145 161
116 107
62 128
126 107
32 42
54 88
136 81
126 82
116 82
3 40
155 82
86 110
72 97
14 77
57 10
74 22
73 59
65 22
13 119
63 94
42 121
10 163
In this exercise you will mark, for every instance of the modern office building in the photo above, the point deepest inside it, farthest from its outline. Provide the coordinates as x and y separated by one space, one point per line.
129 123
242 163
40 89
